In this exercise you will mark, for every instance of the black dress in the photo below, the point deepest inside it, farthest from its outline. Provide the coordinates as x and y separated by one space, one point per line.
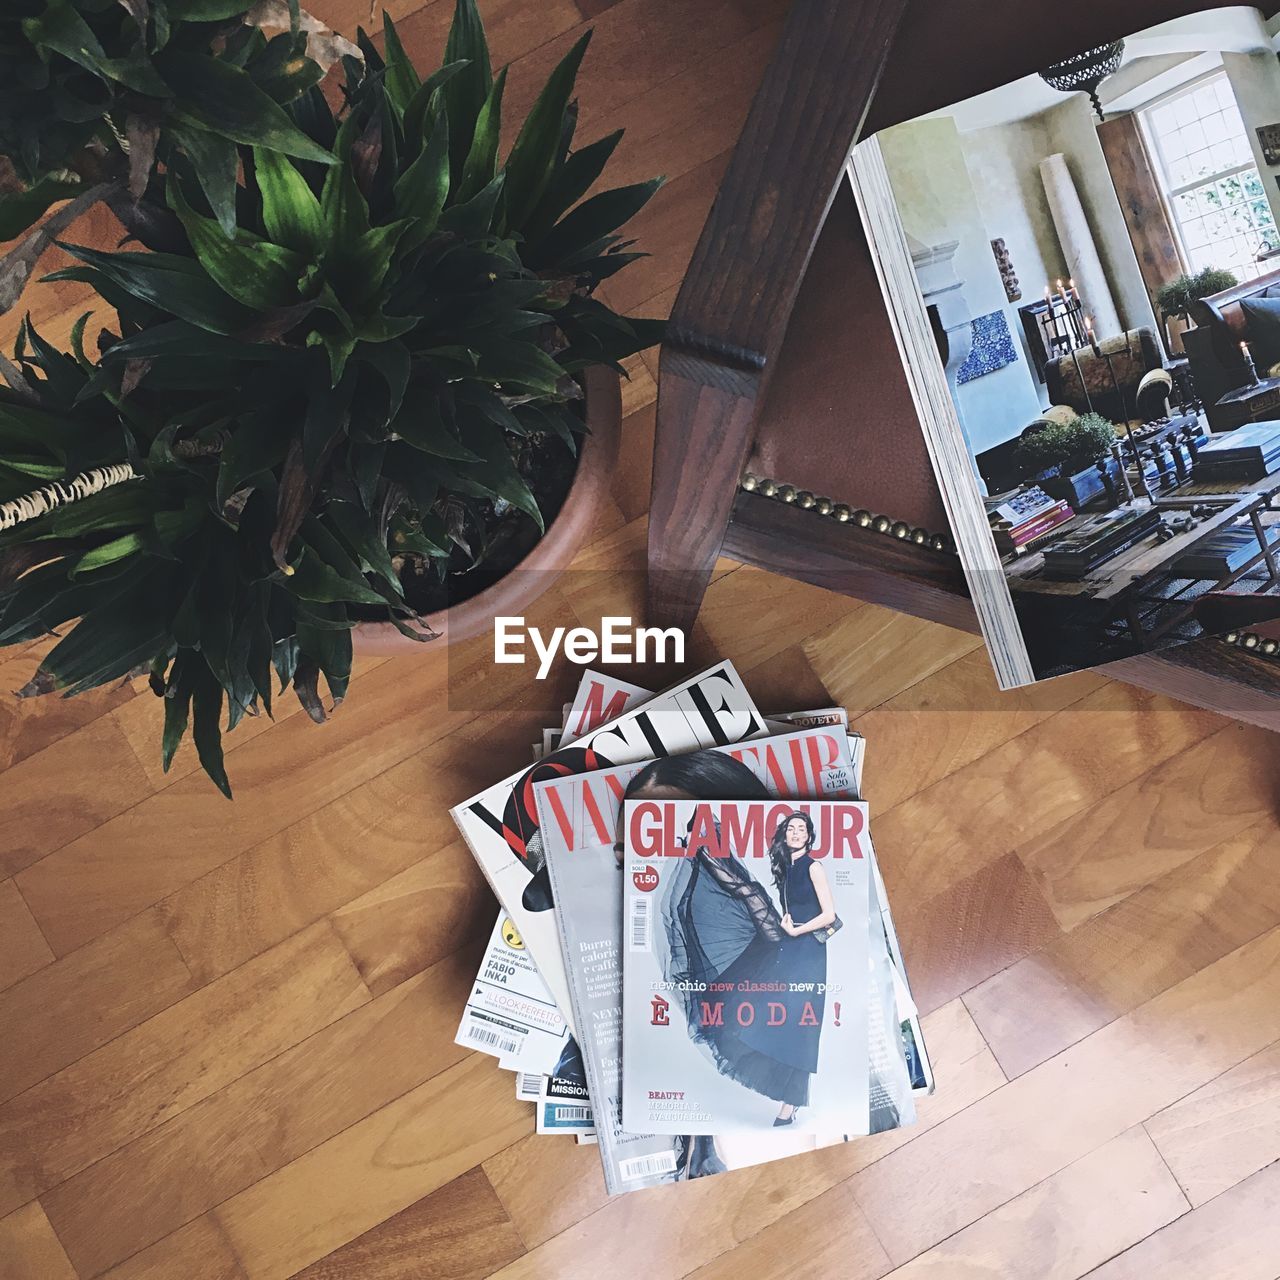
802 962
722 928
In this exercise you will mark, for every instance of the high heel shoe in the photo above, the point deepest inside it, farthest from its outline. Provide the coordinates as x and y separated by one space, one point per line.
779 1121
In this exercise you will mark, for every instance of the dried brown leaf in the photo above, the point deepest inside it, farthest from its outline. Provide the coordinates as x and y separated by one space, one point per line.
323 45
41 683
17 381
366 151
297 490
16 265
138 10
15 561
306 684
10 183
134 371
141 134
274 324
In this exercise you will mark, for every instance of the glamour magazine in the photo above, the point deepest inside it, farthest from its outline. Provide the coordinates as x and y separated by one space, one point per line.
744 993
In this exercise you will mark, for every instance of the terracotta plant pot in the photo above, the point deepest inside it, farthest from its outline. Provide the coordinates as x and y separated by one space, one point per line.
550 557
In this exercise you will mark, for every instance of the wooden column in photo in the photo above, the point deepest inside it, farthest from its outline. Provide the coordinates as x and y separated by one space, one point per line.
1144 212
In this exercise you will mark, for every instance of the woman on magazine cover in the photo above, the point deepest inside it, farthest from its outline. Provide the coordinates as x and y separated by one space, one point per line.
740 937
807 907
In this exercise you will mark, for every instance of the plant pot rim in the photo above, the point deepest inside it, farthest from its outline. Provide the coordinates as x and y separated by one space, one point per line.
551 555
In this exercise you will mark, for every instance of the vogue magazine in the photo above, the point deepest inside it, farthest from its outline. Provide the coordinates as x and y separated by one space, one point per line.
500 825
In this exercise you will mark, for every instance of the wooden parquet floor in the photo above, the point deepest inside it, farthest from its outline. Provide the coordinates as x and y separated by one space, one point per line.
226 1029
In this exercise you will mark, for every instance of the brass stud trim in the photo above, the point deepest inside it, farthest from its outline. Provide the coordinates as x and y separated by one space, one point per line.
1252 643
842 513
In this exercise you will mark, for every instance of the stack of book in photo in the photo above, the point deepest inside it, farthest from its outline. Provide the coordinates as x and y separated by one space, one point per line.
694 964
1248 453
1024 519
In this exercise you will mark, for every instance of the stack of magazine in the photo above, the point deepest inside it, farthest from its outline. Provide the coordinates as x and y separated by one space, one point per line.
694 964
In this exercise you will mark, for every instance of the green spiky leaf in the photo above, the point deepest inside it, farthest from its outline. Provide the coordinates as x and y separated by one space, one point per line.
466 93
215 163
224 100
290 209
533 157
22 209
253 271
403 80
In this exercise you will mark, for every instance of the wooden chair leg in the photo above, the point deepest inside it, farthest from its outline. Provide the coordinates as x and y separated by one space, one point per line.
701 441
729 319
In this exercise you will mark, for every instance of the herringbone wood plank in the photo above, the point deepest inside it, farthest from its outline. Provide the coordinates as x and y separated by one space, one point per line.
225 1031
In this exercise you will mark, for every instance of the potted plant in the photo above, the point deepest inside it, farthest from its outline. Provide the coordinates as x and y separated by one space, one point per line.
359 408
1063 454
94 92
1175 298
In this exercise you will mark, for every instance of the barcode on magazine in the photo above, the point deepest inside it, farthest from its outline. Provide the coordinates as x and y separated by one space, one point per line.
494 1039
640 931
528 1086
647 1166
572 1113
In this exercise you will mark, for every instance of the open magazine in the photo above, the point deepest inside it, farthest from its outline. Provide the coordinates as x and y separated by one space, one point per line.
500 825
1082 269
743 996
581 822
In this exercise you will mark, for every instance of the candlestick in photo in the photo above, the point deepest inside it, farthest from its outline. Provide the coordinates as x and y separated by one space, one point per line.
1050 320
1080 378
1093 337
1250 367
1118 454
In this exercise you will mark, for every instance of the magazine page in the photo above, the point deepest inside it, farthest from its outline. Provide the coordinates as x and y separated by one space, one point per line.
744 997
496 952
509 1013
885 945
919 1066
500 825
581 823
890 1084
529 1085
563 1102
1079 267
826 717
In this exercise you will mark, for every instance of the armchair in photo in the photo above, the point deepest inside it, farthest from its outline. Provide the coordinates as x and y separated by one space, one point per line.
1247 313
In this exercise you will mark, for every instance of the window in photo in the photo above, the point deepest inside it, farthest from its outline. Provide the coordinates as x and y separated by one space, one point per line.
1210 180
